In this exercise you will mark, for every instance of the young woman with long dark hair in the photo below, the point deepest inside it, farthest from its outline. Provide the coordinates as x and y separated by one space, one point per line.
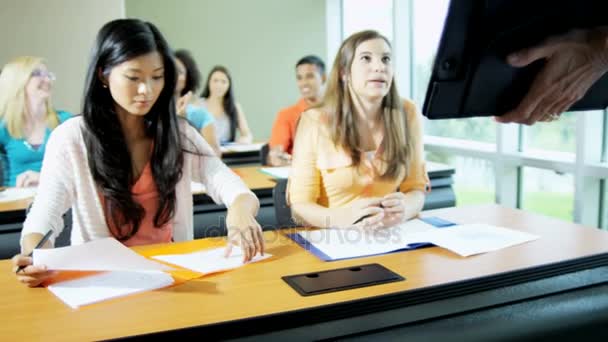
218 98
125 165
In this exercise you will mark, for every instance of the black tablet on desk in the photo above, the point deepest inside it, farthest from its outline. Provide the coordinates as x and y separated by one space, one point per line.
470 75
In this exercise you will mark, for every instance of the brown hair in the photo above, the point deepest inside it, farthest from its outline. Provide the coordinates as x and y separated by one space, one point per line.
398 144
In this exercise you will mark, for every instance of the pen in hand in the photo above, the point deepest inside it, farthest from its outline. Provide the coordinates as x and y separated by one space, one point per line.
40 244
365 216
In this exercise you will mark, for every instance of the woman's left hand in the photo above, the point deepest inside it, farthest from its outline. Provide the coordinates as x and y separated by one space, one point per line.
27 179
394 208
244 231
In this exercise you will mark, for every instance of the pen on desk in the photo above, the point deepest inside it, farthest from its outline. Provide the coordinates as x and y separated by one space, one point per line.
40 244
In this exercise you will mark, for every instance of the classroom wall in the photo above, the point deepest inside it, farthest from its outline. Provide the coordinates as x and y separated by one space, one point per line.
61 31
259 41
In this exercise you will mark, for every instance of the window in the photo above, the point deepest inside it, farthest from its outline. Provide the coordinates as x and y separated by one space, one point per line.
428 25
359 15
474 178
558 136
548 192
536 168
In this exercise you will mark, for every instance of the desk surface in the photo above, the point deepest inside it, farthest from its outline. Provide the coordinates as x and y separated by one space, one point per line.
15 205
257 289
253 178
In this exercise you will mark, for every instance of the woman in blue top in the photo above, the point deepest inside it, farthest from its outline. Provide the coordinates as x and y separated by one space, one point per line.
26 119
188 80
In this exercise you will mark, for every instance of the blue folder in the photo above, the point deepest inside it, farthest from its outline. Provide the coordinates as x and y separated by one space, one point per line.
434 221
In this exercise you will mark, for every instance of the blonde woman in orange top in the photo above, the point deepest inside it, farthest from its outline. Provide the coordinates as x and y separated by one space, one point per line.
358 158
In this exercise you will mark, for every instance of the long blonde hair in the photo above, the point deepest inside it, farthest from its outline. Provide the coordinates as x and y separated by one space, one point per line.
398 144
13 104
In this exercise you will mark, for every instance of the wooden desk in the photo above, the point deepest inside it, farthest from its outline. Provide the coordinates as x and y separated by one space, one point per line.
254 300
258 182
255 179
19 205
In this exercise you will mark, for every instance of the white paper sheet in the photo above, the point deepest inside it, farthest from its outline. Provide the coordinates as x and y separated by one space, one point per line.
16 194
471 239
209 260
238 147
352 243
464 240
281 172
107 285
106 254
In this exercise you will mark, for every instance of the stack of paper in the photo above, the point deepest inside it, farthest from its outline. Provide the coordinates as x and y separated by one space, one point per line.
128 273
209 260
465 240
281 172
107 285
471 239
240 147
16 194
333 244
106 254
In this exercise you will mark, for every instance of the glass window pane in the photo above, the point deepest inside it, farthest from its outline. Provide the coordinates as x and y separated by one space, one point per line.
548 192
558 135
604 209
473 179
361 15
428 25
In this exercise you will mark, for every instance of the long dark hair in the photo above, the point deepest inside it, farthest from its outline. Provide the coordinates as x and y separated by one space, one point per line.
109 160
229 103
193 75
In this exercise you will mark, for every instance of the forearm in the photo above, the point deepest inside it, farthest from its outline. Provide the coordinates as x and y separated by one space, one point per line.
208 133
414 201
244 131
30 241
312 214
245 137
245 203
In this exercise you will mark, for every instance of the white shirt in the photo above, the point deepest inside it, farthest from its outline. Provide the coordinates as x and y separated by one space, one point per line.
66 181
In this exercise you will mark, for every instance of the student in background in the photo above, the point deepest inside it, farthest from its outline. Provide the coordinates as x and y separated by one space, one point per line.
188 80
218 98
126 164
358 158
310 76
27 118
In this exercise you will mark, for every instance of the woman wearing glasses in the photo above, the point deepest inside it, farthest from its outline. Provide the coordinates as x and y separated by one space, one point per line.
26 119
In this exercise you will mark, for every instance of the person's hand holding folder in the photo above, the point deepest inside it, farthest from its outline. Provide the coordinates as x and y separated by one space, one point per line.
574 61
23 266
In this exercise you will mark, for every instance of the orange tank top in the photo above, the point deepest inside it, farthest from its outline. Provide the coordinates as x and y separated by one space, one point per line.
145 193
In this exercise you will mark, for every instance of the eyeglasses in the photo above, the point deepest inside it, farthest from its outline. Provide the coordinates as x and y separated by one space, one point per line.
44 73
